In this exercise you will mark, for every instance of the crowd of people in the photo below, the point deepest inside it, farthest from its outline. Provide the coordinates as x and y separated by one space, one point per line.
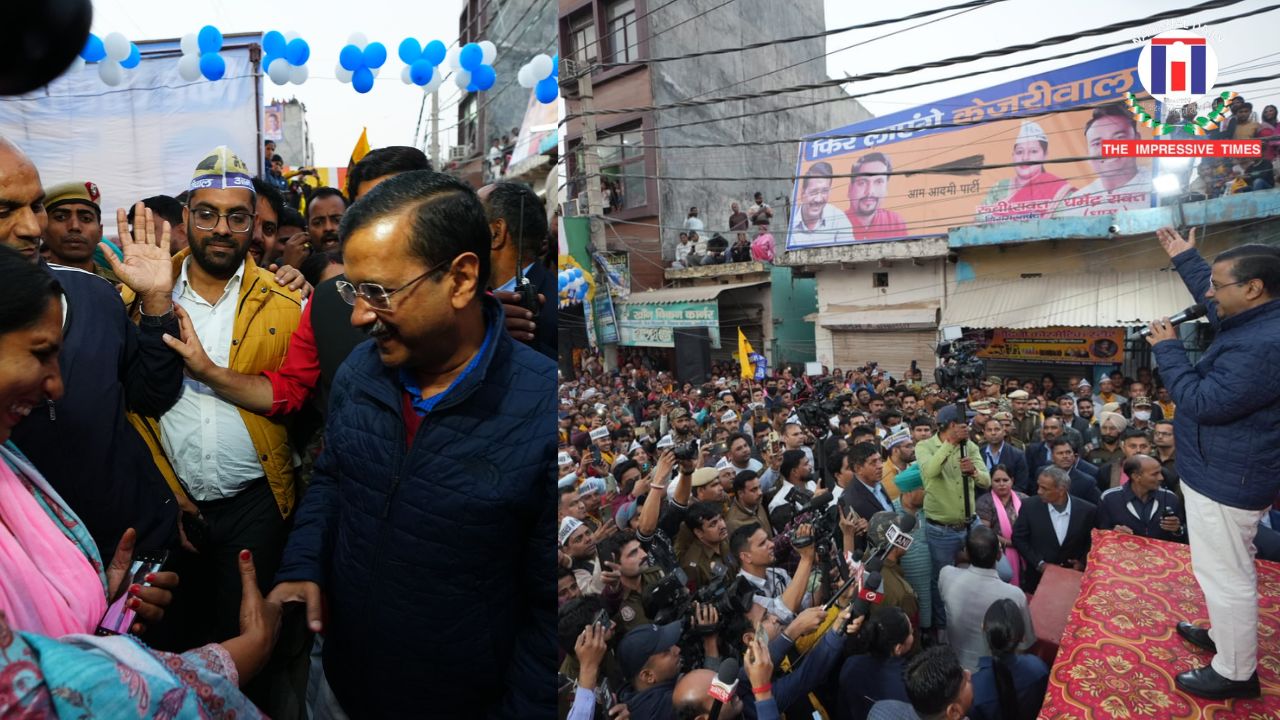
1226 175
304 459
759 497
752 241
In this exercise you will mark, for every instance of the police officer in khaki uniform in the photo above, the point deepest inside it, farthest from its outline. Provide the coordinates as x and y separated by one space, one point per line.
702 545
1026 425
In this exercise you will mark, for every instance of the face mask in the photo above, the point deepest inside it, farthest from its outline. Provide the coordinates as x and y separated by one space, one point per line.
1143 415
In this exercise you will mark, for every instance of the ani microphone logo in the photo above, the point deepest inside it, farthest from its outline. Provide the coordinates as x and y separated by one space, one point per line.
1178 67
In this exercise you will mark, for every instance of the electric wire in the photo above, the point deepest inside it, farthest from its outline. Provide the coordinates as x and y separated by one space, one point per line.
955 60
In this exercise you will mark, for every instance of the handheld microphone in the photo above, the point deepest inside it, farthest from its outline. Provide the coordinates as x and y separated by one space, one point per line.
1195 311
869 594
723 687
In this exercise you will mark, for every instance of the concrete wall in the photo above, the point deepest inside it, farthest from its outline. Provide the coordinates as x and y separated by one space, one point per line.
641 244
519 36
739 23
294 145
848 289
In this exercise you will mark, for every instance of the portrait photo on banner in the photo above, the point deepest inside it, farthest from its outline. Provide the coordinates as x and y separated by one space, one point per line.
846 190
273 122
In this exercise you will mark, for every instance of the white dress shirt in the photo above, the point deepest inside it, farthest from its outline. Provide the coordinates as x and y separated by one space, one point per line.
780 498
204 435
832 227
770 589
1061 520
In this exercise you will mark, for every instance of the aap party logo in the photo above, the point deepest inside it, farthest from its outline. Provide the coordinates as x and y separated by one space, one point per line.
1177 67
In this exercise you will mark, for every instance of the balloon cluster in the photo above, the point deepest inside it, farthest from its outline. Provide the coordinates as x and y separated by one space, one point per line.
472 65
573 286
359 62
114 54
422 64
285 57
542 75
200 55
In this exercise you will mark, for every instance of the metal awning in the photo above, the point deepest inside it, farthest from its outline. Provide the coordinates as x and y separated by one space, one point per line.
889 318
699 293
1104 299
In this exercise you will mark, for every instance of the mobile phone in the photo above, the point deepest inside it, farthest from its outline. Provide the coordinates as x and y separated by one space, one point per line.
119 618
602 619
913 366
719 448
762 634
605 698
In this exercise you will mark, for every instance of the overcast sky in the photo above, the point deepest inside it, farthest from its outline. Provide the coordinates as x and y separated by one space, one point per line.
335 111
1018 21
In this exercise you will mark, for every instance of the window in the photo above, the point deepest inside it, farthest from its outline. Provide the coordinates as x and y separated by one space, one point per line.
582 38
880 280
467 124
619 156
620 30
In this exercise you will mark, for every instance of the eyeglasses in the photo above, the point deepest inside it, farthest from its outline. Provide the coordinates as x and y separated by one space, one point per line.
378 297
1216 287
237 222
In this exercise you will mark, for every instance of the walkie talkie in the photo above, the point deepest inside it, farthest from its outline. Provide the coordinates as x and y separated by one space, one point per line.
528 293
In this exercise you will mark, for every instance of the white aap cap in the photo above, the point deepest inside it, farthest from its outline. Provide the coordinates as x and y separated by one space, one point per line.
1031 131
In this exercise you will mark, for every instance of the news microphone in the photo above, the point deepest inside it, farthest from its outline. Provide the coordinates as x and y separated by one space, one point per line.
723 687
1195 311
869 594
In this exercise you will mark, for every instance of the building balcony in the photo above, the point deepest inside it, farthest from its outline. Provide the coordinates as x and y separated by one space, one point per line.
809 259
726 271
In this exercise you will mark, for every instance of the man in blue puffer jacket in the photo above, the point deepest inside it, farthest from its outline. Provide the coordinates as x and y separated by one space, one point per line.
429 522
1228 435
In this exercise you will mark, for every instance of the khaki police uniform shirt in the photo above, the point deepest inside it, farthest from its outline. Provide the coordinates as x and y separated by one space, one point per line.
631 612
1025 431
698 560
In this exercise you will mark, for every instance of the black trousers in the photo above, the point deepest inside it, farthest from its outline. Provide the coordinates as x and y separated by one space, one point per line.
206 605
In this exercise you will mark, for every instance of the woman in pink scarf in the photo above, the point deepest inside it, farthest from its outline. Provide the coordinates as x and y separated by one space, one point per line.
53 586
1000 516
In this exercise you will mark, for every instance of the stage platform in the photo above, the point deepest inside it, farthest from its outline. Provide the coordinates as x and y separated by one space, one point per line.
1119 652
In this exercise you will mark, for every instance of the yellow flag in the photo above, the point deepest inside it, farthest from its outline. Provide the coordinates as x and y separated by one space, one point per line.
360 150
744 356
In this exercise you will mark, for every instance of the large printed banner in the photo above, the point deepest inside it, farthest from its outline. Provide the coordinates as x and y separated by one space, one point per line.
1055 344
652 324
843 196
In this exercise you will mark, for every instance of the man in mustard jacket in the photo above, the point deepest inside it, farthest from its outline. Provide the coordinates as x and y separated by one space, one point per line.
231 469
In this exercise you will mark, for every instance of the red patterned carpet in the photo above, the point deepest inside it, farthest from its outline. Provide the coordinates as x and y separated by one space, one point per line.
1119 653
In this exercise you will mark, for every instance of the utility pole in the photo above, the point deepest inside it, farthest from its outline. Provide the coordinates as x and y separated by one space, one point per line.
591 158
591 162
435 129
